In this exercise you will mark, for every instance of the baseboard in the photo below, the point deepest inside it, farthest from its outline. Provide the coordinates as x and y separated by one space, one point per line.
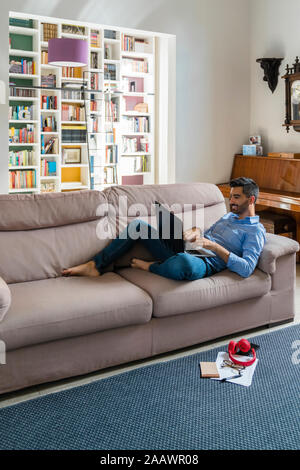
282 322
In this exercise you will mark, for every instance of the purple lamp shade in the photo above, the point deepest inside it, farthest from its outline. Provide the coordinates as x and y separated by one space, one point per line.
67 52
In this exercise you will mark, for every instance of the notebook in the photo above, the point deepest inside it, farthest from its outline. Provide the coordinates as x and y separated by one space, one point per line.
176 241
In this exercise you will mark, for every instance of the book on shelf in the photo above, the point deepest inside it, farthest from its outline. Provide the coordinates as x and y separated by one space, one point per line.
20 92
49 31
22 179
95 81
111 110
21 22
71 94
51 146
141 45
110 175
108 52
48 102
48 81
144 145
135 124
21 158
130 144
111 154
95 38
72 72
135 65
110 136
44 57
94 60
93 104
74 133
133 44
128 43
140 164
48 124
24 135
72 112
20 113
73 29
110 34
23 67
48 167
48 187
110 72
94 124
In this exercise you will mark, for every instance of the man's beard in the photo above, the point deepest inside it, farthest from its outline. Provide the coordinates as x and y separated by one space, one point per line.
239 209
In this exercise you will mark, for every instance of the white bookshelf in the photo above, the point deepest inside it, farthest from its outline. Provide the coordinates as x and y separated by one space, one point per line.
117 69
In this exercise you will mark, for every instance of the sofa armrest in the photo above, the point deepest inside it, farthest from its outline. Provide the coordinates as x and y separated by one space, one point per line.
5 298
275 247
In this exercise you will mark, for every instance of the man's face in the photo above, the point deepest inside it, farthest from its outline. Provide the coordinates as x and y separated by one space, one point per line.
239 202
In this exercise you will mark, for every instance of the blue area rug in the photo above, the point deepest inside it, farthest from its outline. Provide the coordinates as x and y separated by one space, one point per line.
167 406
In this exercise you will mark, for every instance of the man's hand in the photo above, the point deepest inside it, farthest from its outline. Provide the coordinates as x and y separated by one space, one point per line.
192 235
208 244
216 248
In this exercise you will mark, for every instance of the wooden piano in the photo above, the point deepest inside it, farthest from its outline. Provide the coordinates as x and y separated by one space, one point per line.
279 184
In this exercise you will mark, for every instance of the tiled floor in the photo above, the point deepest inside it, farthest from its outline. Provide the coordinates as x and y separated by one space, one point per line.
16 397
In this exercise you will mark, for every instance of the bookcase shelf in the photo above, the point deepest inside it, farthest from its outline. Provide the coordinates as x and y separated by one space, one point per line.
49 177
22 75
24 190
23 144
22 121
23 31
107 107
24 167
23 53
63 100
136 55
73 36
133 154
23 98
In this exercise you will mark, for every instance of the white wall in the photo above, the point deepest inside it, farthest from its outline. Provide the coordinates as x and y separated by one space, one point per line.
213 73
274 33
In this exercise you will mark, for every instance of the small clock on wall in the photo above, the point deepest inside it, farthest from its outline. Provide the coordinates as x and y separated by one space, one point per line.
292 96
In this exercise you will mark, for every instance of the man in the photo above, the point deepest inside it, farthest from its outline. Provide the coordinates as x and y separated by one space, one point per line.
237 239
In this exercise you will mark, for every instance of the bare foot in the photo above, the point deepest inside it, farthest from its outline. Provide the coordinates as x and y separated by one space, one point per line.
87 269
140 264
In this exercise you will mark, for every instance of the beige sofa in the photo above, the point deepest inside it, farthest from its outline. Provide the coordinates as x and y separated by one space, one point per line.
56 327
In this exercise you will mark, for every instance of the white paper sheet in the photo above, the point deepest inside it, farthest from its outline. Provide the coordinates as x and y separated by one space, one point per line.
224 372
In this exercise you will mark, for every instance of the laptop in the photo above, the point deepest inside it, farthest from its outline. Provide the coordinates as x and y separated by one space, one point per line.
178 244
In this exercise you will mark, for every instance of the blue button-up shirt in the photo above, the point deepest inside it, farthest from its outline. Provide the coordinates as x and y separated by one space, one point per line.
243 238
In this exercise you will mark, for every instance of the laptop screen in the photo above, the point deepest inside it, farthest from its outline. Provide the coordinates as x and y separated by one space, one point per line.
170 227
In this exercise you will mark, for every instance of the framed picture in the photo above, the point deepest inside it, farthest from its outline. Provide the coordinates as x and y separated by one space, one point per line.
255 140
71 155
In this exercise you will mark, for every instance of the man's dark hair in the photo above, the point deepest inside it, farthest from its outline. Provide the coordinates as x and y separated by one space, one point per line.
249 186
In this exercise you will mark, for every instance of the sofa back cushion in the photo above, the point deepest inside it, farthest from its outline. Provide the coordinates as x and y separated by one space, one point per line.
32 211
42 234
131 202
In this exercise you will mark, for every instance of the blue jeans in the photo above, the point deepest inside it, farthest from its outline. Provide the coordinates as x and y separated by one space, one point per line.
178 266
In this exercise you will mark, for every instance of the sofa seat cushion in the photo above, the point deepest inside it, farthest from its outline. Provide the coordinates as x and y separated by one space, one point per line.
63 307
176 297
